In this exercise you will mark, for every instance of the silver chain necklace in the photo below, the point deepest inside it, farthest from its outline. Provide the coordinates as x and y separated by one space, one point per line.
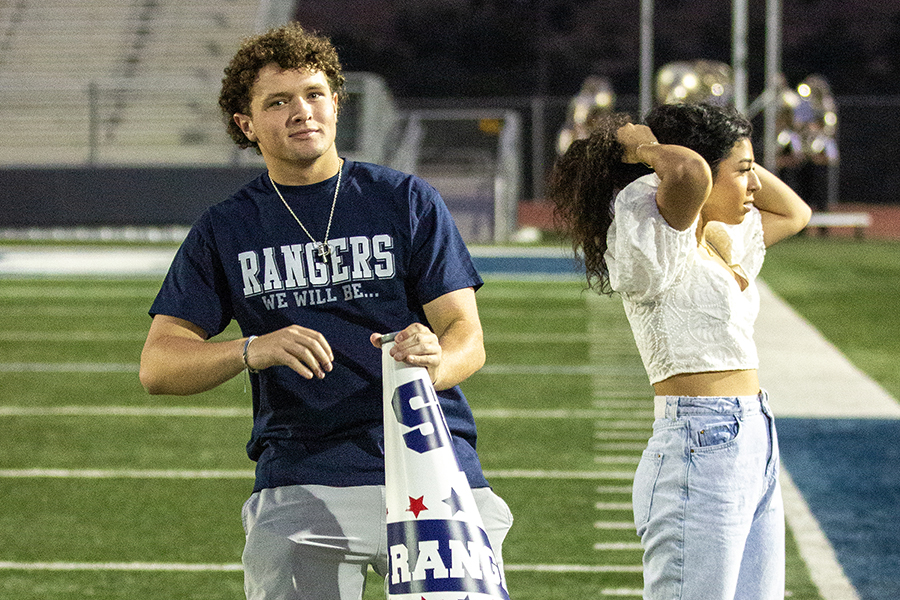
323 250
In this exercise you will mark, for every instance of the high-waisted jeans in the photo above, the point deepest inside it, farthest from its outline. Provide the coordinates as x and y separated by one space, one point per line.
707 502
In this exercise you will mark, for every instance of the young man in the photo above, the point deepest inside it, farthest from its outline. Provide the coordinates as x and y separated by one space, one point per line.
315 259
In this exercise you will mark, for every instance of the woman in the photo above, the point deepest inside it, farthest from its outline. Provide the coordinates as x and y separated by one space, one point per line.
675 216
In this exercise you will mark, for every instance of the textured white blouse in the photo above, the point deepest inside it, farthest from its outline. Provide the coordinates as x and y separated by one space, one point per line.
688 314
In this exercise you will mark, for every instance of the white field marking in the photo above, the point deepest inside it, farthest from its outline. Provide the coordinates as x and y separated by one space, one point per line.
199 411
539 370
68 292
545 370
614 525
122 411
623 435
128 233
621 592
603 395
637 403
576 568
133 566
525 474
613 506
618 546
537 413
815 549
636 426
122 474
249 474
563 314
538 338
624 414
70 336
614 413
80 367
200 567
618 460
36 309
614 489
85 261
612 447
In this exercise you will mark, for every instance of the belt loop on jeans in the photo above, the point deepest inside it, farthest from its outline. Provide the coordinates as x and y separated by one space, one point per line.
660 405
751 406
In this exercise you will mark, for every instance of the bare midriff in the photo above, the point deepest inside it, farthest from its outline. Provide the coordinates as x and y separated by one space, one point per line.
714 383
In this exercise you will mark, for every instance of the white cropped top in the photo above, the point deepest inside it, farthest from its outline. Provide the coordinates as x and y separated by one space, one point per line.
688 314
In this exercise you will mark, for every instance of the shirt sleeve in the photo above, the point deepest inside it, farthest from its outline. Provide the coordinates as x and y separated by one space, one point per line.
440 261
195 288
645 255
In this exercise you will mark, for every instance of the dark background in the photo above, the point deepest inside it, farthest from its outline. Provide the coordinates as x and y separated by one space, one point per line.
465 48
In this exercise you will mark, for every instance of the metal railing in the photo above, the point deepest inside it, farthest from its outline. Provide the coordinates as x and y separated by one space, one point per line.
474 158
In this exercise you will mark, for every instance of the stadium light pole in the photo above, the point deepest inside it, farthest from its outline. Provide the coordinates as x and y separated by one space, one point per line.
767 102
739 53
773 71
646 51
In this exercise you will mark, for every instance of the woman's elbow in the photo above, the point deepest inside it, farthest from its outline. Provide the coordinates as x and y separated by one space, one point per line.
799 217
694 172
804 215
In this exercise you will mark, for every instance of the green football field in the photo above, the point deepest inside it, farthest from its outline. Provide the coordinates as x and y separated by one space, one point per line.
108 493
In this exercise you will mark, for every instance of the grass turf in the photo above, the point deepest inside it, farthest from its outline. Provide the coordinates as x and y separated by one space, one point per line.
76 342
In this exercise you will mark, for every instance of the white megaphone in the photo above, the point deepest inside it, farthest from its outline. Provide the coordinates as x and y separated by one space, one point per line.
437 546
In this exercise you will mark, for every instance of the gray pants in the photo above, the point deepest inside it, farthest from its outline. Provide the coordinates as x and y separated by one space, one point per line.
316 542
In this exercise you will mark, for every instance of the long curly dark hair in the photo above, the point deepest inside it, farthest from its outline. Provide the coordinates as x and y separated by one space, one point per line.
710 131
290 47
587 177
582 185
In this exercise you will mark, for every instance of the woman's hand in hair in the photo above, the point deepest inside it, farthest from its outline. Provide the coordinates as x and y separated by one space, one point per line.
685 178
632 137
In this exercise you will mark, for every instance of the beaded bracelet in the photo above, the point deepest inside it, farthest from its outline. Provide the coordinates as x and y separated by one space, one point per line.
247 347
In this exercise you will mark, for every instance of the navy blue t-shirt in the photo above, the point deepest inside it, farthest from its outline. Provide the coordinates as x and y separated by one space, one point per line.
394 248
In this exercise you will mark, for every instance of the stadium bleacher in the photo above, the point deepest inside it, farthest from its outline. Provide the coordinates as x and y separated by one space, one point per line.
107 81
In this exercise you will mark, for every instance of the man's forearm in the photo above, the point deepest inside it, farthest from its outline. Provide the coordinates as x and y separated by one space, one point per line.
182 366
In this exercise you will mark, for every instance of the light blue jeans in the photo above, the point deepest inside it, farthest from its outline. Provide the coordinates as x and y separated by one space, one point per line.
707 502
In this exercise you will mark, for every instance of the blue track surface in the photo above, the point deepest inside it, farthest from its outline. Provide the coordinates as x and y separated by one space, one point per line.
848 470
528 265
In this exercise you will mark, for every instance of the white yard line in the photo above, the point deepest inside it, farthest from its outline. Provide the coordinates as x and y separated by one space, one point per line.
806 375
84 261
815 549
496 369
213 412
122 474
115 566
620 417
80 367
201 567
123 411
70 336
245 474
